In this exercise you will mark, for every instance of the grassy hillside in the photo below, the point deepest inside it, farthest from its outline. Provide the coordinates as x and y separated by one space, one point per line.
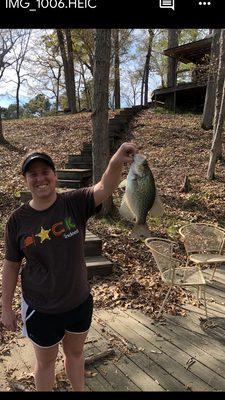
175 146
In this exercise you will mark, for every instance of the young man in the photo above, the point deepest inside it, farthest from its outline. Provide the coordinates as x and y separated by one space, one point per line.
49 232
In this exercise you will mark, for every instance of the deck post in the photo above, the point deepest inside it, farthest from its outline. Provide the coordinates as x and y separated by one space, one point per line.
174 101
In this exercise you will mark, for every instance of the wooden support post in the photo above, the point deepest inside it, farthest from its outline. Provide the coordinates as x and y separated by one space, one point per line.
174 101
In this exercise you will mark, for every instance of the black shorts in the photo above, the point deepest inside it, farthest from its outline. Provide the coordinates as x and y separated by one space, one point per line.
47 330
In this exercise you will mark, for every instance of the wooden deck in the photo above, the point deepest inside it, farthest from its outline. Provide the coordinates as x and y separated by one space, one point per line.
175 354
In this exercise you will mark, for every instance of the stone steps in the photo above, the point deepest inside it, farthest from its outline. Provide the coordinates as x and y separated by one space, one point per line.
78 165
73 173
70 183
72 158
98 265
93 245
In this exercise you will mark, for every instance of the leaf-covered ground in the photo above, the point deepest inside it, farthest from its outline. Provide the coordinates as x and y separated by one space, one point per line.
175 146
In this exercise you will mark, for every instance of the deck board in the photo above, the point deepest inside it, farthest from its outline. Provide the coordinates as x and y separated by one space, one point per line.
175 354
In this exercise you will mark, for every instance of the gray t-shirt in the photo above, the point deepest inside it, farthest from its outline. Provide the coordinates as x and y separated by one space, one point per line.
54 278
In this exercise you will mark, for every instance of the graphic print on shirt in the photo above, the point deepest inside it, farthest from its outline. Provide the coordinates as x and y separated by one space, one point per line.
66 228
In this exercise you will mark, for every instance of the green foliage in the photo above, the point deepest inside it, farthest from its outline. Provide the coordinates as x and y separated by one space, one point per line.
191 35
10 112
83 45
38 106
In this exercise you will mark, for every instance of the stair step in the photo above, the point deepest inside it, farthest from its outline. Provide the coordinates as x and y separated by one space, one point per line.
117 127
137 108
73 173
92 245
79 158
86 153
116 134
121 118
87 146
70 183
128 112
127 109
98 265
113 122
78 165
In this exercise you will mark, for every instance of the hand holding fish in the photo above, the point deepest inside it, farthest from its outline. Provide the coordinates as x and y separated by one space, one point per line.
112 176
125 154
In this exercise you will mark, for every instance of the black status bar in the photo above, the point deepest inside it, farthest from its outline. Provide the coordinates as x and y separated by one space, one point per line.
112 13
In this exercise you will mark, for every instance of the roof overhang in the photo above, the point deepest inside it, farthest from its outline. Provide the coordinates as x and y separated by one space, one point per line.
194 52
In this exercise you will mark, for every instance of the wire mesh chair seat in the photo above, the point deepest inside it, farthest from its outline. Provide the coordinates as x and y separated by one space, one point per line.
173 272
204 244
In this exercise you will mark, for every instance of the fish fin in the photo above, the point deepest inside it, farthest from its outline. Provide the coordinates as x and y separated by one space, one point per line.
141 230
125 210
123 184
157 209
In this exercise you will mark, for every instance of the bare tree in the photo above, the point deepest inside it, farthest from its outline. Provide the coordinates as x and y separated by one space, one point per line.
66 48
209 105
8 38
46 68
216 148
87 93
116 68
145 78
20 52
132 90
100 139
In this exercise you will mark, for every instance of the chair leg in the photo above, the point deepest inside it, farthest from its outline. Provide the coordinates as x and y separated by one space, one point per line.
197 296
213 272
204 297
164 302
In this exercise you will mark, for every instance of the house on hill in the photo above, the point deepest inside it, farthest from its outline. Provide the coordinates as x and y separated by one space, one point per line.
189 91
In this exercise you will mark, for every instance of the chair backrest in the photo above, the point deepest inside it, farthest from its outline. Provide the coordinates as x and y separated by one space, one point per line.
162 250
202 238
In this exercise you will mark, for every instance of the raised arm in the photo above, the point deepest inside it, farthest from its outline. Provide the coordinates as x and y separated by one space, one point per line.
112 176
9 282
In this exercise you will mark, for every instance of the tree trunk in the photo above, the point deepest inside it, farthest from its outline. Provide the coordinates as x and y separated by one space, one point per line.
216 148
18 97
142 85
72 86
2 139
209 105
78 94
100 138
219 88
173 41
67 71
86 90
57 90
147 64
116 68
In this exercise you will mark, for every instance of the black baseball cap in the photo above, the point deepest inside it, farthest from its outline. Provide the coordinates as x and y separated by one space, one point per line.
37 156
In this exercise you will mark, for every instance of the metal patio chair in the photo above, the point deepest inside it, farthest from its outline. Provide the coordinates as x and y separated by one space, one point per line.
204 244
173 272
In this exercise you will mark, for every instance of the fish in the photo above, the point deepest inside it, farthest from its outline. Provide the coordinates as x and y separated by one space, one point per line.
140 197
